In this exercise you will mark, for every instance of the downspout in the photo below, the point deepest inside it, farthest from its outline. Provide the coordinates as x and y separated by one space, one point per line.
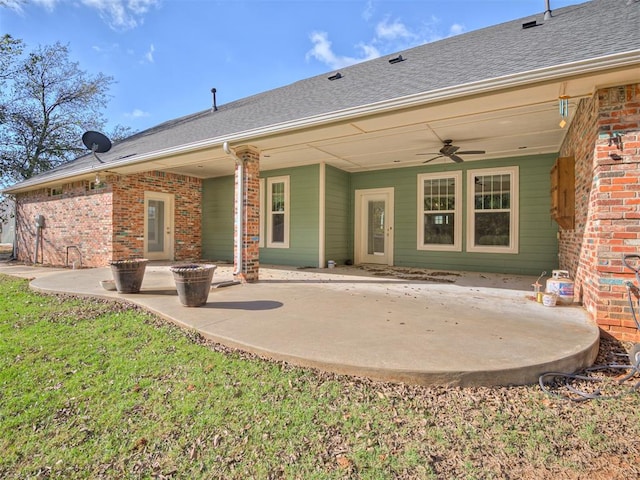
239 205
14 253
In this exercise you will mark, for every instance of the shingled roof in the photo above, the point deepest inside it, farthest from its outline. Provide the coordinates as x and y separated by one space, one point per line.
591 30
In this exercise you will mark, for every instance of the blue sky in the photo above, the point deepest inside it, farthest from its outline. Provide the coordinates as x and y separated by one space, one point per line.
166 55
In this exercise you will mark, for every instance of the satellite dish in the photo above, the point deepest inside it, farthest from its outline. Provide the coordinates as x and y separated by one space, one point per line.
96 142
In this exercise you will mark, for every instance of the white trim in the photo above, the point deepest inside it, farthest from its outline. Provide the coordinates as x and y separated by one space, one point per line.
359 238
579 68
513 209
261 192
322 214
287 206
457 212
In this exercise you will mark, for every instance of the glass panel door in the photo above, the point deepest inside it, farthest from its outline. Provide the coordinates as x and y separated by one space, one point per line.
155 226
374 226
158 226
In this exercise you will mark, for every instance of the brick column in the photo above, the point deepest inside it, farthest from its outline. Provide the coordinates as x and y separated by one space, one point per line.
605 140
616 202
251 219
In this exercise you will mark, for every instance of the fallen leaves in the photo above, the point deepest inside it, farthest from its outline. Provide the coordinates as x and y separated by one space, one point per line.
343 462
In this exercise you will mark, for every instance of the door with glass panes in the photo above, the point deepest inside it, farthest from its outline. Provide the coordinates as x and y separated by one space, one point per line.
374 226
158 226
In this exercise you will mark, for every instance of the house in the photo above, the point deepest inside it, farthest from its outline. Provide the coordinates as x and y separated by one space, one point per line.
368 165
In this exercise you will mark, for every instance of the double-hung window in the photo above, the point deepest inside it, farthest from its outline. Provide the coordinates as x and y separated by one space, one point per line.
492 210
439 215
278 212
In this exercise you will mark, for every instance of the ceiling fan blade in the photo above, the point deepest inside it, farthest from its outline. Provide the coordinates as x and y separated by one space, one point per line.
472 152
431 159
449 149
455 158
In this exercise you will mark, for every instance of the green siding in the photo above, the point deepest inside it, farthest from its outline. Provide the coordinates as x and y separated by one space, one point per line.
538 246
338 238
218 218
304 218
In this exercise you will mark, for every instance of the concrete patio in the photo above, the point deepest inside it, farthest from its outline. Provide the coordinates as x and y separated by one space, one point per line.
444 328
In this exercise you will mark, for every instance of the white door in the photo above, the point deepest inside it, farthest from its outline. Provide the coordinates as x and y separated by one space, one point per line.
374 226
158 226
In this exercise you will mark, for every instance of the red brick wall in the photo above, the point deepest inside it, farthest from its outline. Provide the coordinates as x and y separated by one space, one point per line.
607 200
108 224
128 213
251 220
79 217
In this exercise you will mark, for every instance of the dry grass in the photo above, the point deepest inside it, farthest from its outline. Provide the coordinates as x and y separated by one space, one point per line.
91 389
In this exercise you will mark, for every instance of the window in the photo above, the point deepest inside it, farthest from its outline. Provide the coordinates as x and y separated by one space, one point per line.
439 217
96 186
492 210
278 212
55 191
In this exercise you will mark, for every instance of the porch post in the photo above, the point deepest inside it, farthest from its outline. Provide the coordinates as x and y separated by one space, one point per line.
249 270
604 139
615 205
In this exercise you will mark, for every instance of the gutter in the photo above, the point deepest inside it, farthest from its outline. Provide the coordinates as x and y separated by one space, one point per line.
589 66
239 208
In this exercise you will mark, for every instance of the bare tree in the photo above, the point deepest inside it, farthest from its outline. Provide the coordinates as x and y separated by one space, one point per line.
120 132
10 50
50 103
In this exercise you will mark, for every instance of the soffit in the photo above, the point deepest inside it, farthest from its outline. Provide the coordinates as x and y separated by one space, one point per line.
509 123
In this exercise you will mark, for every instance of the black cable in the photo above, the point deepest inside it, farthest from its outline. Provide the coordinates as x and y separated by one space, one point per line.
633 309
633 367
582 395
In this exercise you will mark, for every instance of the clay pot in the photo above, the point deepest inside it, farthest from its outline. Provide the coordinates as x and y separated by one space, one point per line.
193 283
128 274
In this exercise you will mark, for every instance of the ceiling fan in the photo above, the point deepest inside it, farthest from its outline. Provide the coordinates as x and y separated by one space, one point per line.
452 151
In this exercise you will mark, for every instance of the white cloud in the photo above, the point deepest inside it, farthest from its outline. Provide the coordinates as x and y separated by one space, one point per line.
118 14
323 52
121 14
386 30
149 55
137 113
389 36
456 29
47 4
367 13
106 49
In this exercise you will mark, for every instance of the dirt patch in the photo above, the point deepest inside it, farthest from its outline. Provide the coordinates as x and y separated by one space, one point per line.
411 273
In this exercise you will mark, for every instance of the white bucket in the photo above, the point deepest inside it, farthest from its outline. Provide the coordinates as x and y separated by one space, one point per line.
331 264
549 299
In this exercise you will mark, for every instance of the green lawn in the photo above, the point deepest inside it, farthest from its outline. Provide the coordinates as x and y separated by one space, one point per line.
90 389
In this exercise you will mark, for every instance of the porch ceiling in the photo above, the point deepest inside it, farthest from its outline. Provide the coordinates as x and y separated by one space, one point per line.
507 123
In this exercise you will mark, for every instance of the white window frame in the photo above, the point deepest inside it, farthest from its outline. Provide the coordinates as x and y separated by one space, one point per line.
457 212
269 213
514 210
262 212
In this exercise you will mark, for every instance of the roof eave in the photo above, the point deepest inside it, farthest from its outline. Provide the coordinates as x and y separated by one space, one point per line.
547 74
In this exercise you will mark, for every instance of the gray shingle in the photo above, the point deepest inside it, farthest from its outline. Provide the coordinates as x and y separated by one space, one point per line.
580 32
